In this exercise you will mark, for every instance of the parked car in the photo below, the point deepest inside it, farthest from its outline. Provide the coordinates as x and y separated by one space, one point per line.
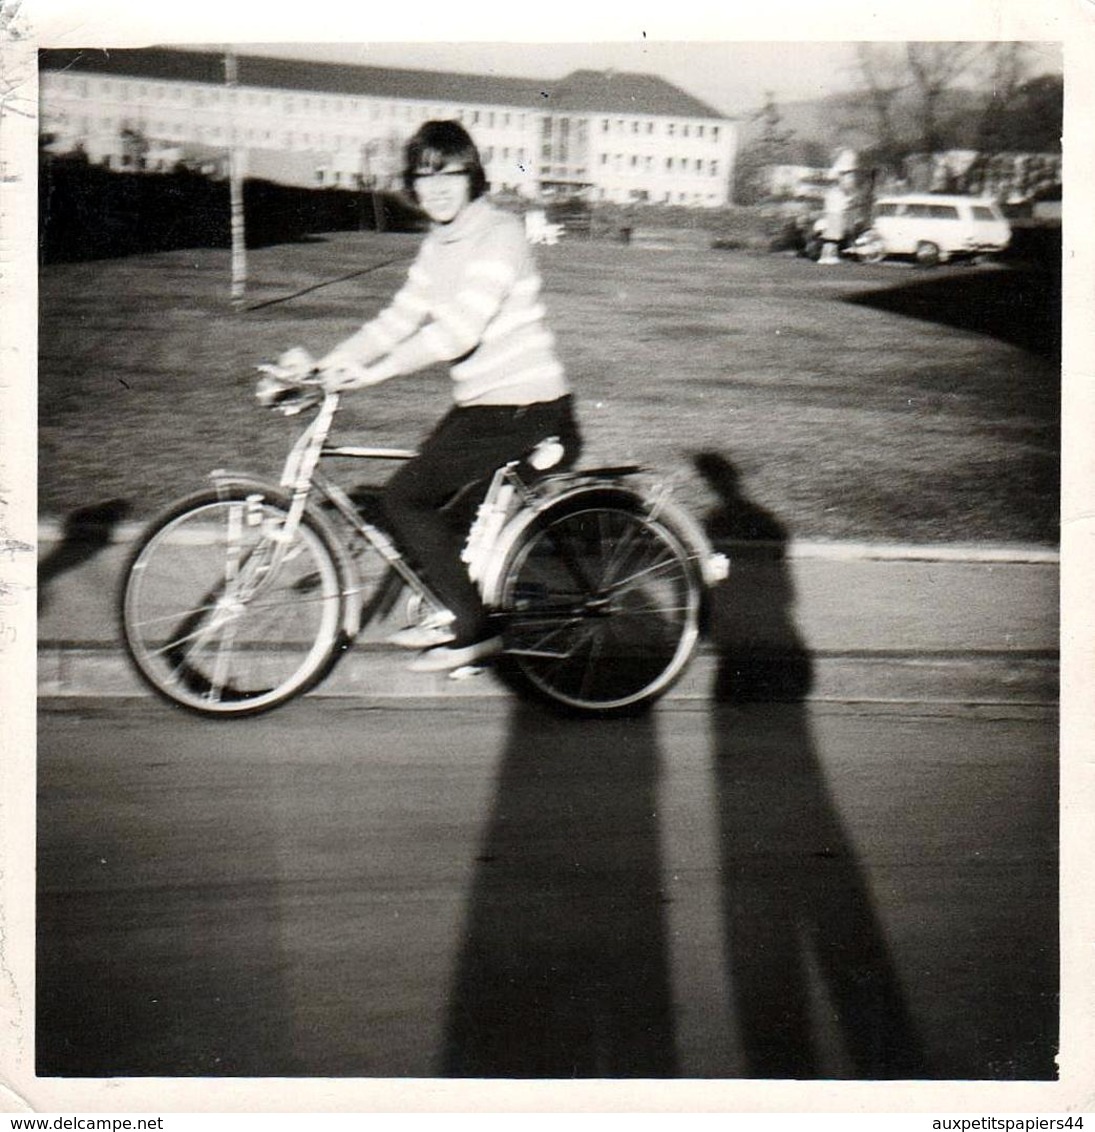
933 228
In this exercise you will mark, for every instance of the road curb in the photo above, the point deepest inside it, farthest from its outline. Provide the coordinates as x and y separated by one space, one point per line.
51 531
374 673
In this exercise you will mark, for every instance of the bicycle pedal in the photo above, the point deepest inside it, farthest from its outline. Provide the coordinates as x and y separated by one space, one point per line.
467 671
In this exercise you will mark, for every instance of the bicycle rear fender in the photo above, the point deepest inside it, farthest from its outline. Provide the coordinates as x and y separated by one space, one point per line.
228 481
596 488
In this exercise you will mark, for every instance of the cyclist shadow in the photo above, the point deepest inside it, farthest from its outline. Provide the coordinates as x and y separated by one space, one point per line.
563 970
815 992
751 625
85 533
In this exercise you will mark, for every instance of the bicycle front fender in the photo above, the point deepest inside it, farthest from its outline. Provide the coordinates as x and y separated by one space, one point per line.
227 481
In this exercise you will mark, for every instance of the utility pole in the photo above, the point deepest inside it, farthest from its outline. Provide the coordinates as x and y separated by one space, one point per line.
235 185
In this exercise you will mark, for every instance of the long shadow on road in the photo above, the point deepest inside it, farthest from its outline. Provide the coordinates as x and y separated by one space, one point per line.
564 968
798 919
800 924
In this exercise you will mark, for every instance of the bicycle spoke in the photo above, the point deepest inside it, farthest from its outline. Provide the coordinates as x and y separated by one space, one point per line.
596 646
219 679
621 549
654 570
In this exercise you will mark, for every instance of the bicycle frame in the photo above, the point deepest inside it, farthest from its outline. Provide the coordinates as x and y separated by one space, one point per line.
508 508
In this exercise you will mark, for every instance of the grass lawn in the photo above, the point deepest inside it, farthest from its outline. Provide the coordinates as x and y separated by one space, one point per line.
857 403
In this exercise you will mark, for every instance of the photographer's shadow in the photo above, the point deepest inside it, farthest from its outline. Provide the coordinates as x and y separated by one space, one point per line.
814 990
86 533
762 656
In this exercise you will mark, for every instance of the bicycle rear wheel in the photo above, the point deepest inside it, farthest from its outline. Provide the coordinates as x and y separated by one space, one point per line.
600 608
223 616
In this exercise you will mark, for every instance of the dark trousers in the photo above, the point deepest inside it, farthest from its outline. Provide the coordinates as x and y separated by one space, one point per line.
431 501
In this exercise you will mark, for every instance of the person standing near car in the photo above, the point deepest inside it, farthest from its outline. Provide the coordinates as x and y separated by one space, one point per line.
836 220
471 299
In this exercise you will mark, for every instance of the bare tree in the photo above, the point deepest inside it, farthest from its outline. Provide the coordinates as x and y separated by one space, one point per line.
926 98
935 68
1006 69
882 74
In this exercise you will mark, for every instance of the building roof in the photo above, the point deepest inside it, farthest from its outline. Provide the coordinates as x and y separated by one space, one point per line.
624 92
613 92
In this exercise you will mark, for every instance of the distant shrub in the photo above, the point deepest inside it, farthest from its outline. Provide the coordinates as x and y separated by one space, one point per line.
89 212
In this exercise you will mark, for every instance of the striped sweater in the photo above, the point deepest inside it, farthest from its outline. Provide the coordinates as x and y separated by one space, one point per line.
472 298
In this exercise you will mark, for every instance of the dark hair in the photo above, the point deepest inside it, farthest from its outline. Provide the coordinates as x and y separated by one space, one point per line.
436 144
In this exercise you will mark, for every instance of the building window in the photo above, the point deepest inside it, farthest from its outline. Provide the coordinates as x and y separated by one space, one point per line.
714 133
671 129
668 164
605 125
714 169
699 131
684 130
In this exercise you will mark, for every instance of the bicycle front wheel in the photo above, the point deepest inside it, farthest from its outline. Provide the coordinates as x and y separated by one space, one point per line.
600 607
222 614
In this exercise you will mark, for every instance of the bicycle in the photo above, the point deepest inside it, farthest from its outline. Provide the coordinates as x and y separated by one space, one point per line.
244 595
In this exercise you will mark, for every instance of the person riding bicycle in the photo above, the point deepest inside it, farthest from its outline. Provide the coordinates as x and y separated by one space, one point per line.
472 299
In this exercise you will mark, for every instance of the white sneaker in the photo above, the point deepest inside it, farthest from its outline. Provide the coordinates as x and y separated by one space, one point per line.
444 659
435 630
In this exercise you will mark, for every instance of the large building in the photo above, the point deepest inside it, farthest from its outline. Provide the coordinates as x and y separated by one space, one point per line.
607 136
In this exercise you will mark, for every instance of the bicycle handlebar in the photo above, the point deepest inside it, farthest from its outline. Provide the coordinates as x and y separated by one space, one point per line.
289 391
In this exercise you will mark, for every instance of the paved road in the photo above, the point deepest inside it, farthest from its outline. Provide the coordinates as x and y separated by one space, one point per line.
480 889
